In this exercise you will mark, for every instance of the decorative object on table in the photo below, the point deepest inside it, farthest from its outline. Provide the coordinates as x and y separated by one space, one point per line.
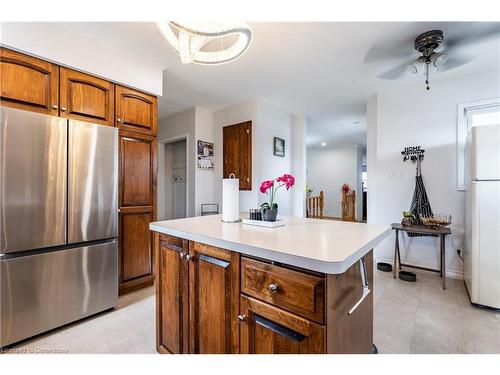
384 267
345 188
408 219
408 276
270 187
263 223
279 147
205 155
255 214
309 190
420 204
231 199
436 221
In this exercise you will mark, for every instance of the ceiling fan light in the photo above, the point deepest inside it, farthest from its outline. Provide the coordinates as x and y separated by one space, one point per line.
439 59
415 66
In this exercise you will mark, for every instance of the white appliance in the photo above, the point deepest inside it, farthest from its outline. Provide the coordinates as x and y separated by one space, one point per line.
482 216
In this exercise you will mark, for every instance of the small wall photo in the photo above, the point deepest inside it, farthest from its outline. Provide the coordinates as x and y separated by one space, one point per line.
279 147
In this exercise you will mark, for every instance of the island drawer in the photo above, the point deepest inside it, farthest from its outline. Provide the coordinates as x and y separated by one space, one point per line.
295 291
174 243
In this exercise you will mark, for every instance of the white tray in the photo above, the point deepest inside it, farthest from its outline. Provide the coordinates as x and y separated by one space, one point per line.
262 223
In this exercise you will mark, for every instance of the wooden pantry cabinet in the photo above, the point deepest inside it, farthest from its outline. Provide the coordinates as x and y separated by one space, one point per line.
213 300
36 85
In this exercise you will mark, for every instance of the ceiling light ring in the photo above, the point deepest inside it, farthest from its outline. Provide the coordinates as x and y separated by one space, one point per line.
190 40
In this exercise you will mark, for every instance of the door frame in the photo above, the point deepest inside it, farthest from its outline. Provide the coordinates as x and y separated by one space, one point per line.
161 178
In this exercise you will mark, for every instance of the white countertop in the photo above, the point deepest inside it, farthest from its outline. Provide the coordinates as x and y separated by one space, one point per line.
321 245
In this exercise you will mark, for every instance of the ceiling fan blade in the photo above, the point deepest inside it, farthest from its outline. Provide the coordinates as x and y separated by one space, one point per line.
379 54
479 34
454 63
394 73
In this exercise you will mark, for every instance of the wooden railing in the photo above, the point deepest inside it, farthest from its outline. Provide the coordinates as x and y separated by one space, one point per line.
349 206
315 206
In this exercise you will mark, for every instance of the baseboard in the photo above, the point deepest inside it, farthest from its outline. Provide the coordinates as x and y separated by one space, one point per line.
459 275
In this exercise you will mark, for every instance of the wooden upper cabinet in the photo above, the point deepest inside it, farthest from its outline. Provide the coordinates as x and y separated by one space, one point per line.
237 151
87 98
137 169
267 329
213 300
172 296
28 83
136 111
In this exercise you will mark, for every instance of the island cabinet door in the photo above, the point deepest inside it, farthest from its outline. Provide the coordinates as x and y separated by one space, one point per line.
172 328
265 329
213 300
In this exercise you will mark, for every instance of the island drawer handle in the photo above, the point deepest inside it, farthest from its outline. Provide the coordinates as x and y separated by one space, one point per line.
273 288
171 246
364 283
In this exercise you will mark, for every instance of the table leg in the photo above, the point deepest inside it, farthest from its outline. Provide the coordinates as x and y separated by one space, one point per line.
396 251
443 261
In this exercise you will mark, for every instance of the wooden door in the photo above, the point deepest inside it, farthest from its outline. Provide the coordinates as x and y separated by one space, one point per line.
86 98
137 200
136 111
213 300
237 151
270 330
28 83
172 295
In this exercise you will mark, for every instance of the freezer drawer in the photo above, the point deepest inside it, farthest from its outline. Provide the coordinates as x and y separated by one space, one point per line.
41 292
32 180
93 182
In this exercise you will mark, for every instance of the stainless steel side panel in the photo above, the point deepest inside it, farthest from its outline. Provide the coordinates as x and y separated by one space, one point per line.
41 292
33 166
93 182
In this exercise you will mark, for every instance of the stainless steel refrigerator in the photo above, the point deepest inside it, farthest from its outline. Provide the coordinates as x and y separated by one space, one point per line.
58 220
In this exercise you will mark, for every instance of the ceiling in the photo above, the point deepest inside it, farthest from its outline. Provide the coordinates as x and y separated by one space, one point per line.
317 69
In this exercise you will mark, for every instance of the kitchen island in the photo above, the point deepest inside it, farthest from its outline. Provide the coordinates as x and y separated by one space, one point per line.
305 287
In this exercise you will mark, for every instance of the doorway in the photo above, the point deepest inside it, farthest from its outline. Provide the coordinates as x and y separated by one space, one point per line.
172 179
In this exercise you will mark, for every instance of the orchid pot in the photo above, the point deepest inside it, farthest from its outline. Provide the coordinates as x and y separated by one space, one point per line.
270 187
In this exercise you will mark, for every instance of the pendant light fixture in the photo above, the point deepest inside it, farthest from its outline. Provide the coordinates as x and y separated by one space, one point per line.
207 43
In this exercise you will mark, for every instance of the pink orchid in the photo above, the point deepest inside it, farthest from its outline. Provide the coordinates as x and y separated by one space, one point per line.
266 185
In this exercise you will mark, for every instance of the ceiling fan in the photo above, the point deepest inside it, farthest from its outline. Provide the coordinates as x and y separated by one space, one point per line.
435 52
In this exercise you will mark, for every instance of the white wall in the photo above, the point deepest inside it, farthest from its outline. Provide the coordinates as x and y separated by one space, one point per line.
60 43
407 116
267 122
299 131
204 179
328 168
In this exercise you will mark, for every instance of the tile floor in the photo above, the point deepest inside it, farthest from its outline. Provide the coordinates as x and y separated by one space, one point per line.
408 318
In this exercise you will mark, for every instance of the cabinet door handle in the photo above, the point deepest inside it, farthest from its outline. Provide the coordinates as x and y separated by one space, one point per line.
118 120
188 257
54 106
63 109
273 288
242 318
181 255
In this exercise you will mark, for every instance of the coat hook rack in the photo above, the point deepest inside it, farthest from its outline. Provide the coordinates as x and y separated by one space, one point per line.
413 153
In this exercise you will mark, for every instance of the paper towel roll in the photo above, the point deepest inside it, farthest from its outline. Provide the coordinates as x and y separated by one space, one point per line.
230 200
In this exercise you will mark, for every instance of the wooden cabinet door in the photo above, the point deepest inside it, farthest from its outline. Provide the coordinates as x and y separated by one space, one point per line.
237 151
28 83
86 98
269 330
172 295
213 300
137 201
136 111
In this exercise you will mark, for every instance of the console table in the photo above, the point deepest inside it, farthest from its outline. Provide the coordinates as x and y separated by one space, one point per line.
441 233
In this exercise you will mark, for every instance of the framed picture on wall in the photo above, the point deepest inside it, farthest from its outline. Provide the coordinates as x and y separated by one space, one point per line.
205 155
279 147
